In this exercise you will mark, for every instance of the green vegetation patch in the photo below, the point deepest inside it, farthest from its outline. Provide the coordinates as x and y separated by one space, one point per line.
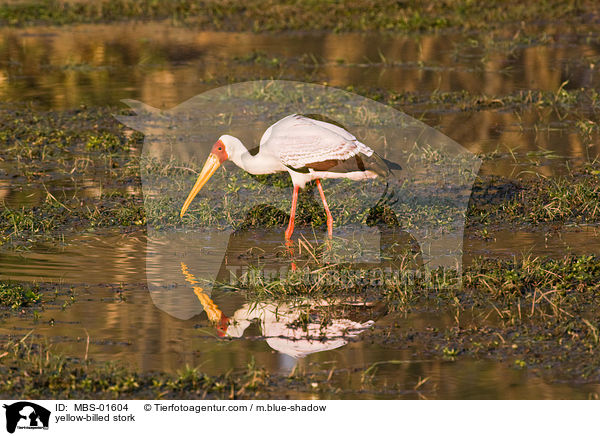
538 313
271 15
51 159
31 369
14 295
32 135
53 218
574 99
558 200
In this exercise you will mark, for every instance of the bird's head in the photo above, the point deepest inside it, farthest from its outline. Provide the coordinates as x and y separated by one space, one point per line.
222 150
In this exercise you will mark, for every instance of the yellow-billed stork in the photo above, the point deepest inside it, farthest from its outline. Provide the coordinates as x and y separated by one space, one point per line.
306 148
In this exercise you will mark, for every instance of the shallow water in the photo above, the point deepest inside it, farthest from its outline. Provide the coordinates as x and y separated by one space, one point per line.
137 334
106 274
103 257
66 67
163 66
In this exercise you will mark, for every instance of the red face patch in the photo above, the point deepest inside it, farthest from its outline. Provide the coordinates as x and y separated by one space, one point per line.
219 151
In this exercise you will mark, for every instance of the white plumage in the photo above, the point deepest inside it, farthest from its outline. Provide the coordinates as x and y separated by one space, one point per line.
300 141
307 149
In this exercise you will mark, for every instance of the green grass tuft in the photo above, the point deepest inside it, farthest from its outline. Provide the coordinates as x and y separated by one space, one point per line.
14 296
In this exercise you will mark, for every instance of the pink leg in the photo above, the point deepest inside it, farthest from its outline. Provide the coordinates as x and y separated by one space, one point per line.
290 229
329 217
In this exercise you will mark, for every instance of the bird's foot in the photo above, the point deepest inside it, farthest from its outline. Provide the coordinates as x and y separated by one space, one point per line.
289 245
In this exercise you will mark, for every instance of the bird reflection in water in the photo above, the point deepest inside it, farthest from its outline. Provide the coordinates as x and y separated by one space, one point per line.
296 329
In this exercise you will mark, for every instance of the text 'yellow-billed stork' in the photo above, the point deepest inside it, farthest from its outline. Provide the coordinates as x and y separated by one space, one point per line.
307 149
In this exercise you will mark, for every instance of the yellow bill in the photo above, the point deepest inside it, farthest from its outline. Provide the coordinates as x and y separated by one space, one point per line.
211 165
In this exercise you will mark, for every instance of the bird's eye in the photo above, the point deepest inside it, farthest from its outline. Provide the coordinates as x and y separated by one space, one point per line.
220 148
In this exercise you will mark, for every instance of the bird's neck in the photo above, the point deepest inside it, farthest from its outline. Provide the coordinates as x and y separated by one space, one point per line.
252 164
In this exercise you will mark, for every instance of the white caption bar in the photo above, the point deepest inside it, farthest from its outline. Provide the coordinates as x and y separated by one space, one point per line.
275 417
